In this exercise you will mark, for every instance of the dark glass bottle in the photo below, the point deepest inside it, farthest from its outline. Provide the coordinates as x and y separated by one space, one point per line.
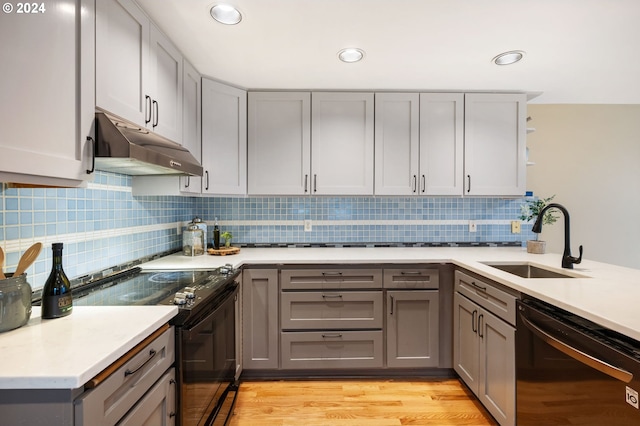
56 293
216 235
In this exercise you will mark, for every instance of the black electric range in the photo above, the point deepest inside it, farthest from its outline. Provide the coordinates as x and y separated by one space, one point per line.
190 290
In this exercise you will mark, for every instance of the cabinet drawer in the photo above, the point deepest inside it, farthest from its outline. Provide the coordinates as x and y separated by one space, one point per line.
497 301
114 396
411 278
331 310
330 279
338 349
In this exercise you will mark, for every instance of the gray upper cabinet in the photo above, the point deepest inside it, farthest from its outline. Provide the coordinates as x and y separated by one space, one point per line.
495 144
148 89
279 144
397 144
191 123
441 143
342 143
47 101
224 139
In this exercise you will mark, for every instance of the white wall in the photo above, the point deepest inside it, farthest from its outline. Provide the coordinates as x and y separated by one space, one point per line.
589 156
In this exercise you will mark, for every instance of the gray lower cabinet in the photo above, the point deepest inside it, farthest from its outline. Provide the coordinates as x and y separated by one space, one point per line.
412 328
331 318
260 319
157 407
332 349
412 317
484 344
128 388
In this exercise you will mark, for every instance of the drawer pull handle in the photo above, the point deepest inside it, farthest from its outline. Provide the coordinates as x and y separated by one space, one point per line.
331 296
392 303
332 336
410 273
152 353
332 274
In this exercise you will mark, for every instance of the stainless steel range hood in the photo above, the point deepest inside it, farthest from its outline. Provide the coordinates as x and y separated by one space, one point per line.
123 147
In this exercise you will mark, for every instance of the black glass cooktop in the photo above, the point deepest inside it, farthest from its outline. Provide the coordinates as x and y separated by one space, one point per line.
138 288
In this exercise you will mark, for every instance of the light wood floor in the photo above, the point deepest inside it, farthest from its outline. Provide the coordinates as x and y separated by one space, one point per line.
357 403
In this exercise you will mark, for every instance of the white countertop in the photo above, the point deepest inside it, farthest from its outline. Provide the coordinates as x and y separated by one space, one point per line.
67 352
607 295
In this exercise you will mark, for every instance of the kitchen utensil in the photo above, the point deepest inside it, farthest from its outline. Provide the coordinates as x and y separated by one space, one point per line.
28 257
2 277
15 302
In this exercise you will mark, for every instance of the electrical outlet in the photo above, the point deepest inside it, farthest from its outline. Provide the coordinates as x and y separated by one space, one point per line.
308 227
473 227
515 227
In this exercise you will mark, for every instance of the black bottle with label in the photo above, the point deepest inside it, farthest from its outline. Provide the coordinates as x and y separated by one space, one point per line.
56 293
216 235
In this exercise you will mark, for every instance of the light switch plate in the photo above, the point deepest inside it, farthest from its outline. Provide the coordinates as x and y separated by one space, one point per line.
473 227
308 227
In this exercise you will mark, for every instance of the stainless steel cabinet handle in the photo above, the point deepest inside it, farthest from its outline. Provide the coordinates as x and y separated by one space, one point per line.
147 111
424 183
188 182
392 303
156 114
332 336
468 183
306 182
93 155
331 274
410 272
480 325
474 317
206 174
128 372
331 296
415 183
315 183
578 355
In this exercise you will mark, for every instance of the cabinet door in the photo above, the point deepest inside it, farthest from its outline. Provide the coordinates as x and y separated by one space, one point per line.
224 139
165 79
279 145
157 407
495 132
122 59
342 143
47 102
260 318
466 360
412 329
191 123
397 140
441 143
497 381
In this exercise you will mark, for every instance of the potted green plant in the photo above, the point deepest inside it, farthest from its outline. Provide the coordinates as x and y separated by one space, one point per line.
227 238
529 212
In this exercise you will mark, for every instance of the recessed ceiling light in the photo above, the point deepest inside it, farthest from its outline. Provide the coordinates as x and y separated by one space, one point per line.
508 58
351 54
226 14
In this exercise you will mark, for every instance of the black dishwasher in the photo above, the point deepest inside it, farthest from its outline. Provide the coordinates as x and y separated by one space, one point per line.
571 371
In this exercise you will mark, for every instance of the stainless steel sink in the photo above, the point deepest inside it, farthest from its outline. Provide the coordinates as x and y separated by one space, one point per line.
526 270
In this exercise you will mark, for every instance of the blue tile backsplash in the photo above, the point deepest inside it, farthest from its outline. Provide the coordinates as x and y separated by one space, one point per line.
104 225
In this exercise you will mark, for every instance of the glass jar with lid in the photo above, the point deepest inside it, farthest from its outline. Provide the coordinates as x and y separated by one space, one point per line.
193 241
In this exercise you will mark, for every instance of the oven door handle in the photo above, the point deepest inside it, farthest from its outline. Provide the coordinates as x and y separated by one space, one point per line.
203 322
578 355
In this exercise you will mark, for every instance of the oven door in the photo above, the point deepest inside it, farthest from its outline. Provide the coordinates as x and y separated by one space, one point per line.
206 356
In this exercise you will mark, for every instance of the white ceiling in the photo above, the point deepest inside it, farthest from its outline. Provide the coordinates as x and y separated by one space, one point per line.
577 51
